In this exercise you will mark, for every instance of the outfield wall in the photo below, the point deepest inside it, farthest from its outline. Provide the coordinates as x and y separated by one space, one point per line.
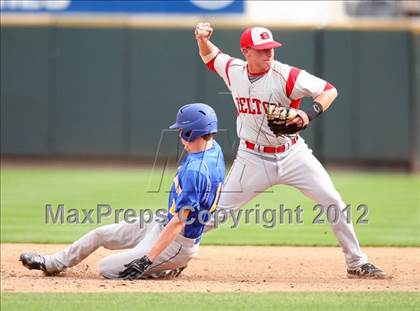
110 90
415 118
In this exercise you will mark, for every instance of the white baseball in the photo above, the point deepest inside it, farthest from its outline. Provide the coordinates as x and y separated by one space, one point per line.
203 30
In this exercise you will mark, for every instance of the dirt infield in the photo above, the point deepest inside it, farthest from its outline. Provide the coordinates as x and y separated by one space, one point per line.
225 269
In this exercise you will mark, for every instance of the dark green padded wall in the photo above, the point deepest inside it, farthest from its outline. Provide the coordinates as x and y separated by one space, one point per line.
114 91
416 102
162 78
371 116
384 85
90 91
340 126
25 90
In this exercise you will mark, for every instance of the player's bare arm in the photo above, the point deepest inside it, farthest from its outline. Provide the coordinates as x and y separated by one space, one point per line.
321 103
326 98
174 226
203 32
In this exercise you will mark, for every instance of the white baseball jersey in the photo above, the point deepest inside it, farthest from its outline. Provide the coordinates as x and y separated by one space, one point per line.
281 84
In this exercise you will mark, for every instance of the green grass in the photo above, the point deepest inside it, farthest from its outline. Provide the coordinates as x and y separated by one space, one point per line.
212 301
393 201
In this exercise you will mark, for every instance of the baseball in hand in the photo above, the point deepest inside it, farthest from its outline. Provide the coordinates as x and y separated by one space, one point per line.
203 30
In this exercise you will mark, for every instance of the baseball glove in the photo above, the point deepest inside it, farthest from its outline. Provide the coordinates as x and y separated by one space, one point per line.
135 269
285 120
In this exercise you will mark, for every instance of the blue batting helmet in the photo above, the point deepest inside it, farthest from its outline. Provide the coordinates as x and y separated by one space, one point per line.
195 120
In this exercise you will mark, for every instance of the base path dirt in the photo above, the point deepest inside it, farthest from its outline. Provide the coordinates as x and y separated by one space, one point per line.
224 269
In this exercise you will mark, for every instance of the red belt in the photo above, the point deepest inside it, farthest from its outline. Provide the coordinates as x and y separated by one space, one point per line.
271 149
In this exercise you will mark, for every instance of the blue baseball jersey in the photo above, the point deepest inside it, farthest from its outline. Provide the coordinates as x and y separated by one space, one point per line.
197 184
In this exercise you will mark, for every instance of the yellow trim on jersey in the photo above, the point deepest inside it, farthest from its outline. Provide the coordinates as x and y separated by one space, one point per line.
178 190
172 208
213 207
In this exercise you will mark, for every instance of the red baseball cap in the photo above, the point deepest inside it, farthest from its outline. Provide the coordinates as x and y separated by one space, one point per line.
258 38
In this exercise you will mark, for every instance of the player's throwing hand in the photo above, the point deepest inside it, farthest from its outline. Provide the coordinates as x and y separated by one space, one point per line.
203 31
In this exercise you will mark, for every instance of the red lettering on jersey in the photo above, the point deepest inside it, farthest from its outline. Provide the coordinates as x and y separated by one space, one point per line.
257 103
252 105
238 105
250 111
265 105
265 35
242 102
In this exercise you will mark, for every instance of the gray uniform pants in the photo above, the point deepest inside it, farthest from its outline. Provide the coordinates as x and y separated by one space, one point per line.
254 172
125 236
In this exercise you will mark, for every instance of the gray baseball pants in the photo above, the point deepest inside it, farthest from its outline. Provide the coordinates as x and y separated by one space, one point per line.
129 236
254 172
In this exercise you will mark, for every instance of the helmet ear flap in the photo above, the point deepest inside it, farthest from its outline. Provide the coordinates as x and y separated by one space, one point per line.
186 135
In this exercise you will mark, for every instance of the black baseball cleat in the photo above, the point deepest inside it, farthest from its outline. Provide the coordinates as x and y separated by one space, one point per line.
33 261
367 271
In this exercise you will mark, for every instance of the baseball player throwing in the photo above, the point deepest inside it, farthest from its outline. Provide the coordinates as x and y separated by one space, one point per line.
158 249
267 95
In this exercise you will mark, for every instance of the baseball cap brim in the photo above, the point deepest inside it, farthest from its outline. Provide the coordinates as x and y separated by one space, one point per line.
268 45
174 126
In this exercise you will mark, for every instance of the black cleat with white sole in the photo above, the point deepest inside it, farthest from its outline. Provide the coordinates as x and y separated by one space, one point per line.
33 261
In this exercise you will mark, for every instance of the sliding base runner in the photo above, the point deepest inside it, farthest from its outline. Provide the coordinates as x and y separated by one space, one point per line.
158 249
